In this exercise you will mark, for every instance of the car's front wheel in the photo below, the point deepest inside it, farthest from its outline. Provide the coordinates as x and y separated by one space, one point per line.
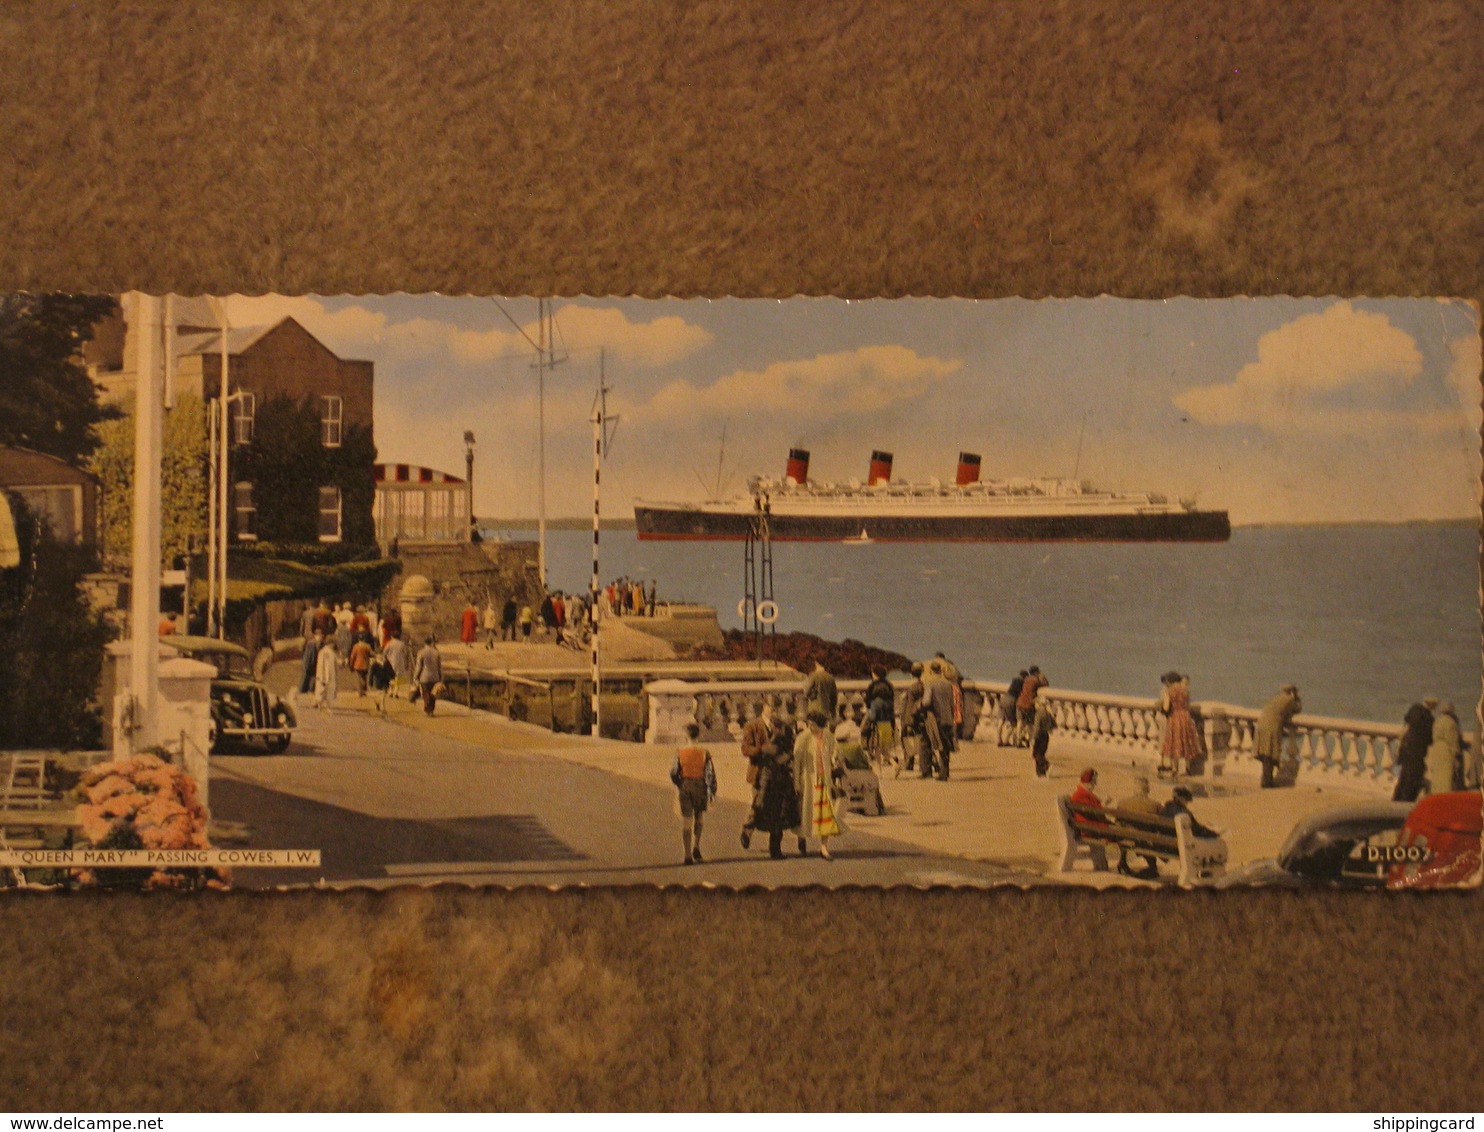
277 744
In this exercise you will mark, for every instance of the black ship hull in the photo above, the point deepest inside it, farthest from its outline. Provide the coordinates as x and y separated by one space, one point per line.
1178 526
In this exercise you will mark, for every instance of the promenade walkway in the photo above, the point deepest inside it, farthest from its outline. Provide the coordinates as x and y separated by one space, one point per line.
994 809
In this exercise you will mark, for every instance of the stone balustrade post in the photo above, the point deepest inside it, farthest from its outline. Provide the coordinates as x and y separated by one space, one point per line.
672 704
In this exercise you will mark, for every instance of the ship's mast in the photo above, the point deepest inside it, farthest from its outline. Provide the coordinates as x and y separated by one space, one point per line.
1077 467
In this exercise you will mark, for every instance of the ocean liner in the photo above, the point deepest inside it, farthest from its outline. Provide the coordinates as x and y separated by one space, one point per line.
968 510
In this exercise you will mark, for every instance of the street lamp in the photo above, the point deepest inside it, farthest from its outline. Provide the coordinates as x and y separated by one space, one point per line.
227 436
469 480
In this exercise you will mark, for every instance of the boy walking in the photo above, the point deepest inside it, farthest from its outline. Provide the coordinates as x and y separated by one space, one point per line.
695 780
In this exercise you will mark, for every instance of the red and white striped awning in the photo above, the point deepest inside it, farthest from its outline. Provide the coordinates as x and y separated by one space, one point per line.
412 473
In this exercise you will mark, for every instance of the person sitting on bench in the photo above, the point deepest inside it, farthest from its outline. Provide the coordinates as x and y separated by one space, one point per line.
1083 796
1139 803
1179 803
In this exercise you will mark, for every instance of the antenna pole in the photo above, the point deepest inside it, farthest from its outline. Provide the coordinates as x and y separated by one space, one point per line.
1082 433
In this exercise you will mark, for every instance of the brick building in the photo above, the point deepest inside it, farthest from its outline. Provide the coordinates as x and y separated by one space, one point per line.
299 421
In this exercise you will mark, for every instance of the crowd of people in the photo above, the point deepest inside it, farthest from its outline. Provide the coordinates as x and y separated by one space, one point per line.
560 617
370 649
627 597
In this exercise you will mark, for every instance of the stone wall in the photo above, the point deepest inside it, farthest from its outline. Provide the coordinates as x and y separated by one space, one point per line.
462 571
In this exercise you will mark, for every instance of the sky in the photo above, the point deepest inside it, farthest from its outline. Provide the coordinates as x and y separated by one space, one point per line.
1276 409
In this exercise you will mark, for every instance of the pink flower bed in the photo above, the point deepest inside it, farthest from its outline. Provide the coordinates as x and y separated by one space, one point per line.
146 800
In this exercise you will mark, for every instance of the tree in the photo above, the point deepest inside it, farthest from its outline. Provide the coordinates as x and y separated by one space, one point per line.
287 464
183 481
52 643
47 401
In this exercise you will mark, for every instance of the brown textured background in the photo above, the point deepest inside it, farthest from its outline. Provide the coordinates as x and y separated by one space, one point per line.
975 149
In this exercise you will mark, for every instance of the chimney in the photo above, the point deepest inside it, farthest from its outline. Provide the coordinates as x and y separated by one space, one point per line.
798 465
880 468
968 468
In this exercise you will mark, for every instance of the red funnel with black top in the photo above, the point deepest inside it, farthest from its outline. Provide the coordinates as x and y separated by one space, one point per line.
880 468
968 469
798 465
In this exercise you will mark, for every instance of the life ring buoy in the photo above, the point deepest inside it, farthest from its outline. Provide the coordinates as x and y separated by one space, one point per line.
767 612
742 608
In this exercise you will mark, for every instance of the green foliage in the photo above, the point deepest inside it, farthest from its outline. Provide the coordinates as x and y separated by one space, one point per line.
47 401
309 553
287 465
254 580
51 643
183 481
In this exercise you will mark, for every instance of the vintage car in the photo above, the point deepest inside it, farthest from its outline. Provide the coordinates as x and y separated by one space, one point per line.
242 709
1434 844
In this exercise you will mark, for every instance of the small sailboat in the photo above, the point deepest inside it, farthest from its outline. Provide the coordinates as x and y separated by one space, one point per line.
861 539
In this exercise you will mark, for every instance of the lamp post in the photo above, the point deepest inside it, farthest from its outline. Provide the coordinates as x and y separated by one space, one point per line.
469 481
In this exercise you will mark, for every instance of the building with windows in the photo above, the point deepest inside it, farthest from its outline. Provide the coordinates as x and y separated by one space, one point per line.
61 496
420 505
299 420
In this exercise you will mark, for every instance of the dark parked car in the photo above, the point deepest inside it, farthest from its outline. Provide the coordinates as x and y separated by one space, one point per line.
1376 845
242 709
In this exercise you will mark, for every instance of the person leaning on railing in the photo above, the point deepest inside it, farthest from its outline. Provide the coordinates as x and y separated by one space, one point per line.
1276 715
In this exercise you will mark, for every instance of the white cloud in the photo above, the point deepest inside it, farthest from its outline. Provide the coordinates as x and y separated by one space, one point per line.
659 342
1464 370
1339 371
357 331
818 389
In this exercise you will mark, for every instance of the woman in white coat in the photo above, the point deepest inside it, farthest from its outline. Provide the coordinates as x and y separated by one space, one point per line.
816 755
1443 761
326 675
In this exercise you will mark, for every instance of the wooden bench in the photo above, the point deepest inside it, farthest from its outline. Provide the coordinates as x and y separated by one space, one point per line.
29 829
1089 830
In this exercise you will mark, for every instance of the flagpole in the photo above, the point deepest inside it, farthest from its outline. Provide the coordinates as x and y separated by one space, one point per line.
144 582
599 410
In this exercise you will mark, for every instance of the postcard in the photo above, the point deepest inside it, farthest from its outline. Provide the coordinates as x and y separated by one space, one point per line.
371 591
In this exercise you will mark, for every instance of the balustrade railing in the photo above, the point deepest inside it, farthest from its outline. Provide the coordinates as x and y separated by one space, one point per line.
1357 751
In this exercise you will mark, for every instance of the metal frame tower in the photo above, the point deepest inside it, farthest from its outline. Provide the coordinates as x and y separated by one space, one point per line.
757 581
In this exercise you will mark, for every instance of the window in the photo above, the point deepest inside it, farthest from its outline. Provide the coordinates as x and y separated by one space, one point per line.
247 513
244 409
59 509
414 524
331 421
329 514
438 512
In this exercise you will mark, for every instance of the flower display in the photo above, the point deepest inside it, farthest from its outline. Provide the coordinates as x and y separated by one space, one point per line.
141 802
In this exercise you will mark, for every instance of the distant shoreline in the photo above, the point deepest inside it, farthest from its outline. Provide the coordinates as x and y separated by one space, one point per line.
1464 522
569 524
586 524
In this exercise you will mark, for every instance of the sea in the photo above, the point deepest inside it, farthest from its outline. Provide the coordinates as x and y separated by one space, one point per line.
1365 619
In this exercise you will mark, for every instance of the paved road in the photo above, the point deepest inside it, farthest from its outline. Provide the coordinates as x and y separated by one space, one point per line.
388 801
472 797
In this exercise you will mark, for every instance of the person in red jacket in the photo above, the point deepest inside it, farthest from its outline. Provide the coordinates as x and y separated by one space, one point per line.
1025 705
469 623
1083 796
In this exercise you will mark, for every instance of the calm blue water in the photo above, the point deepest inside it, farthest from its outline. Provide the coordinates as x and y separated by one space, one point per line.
1365 619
